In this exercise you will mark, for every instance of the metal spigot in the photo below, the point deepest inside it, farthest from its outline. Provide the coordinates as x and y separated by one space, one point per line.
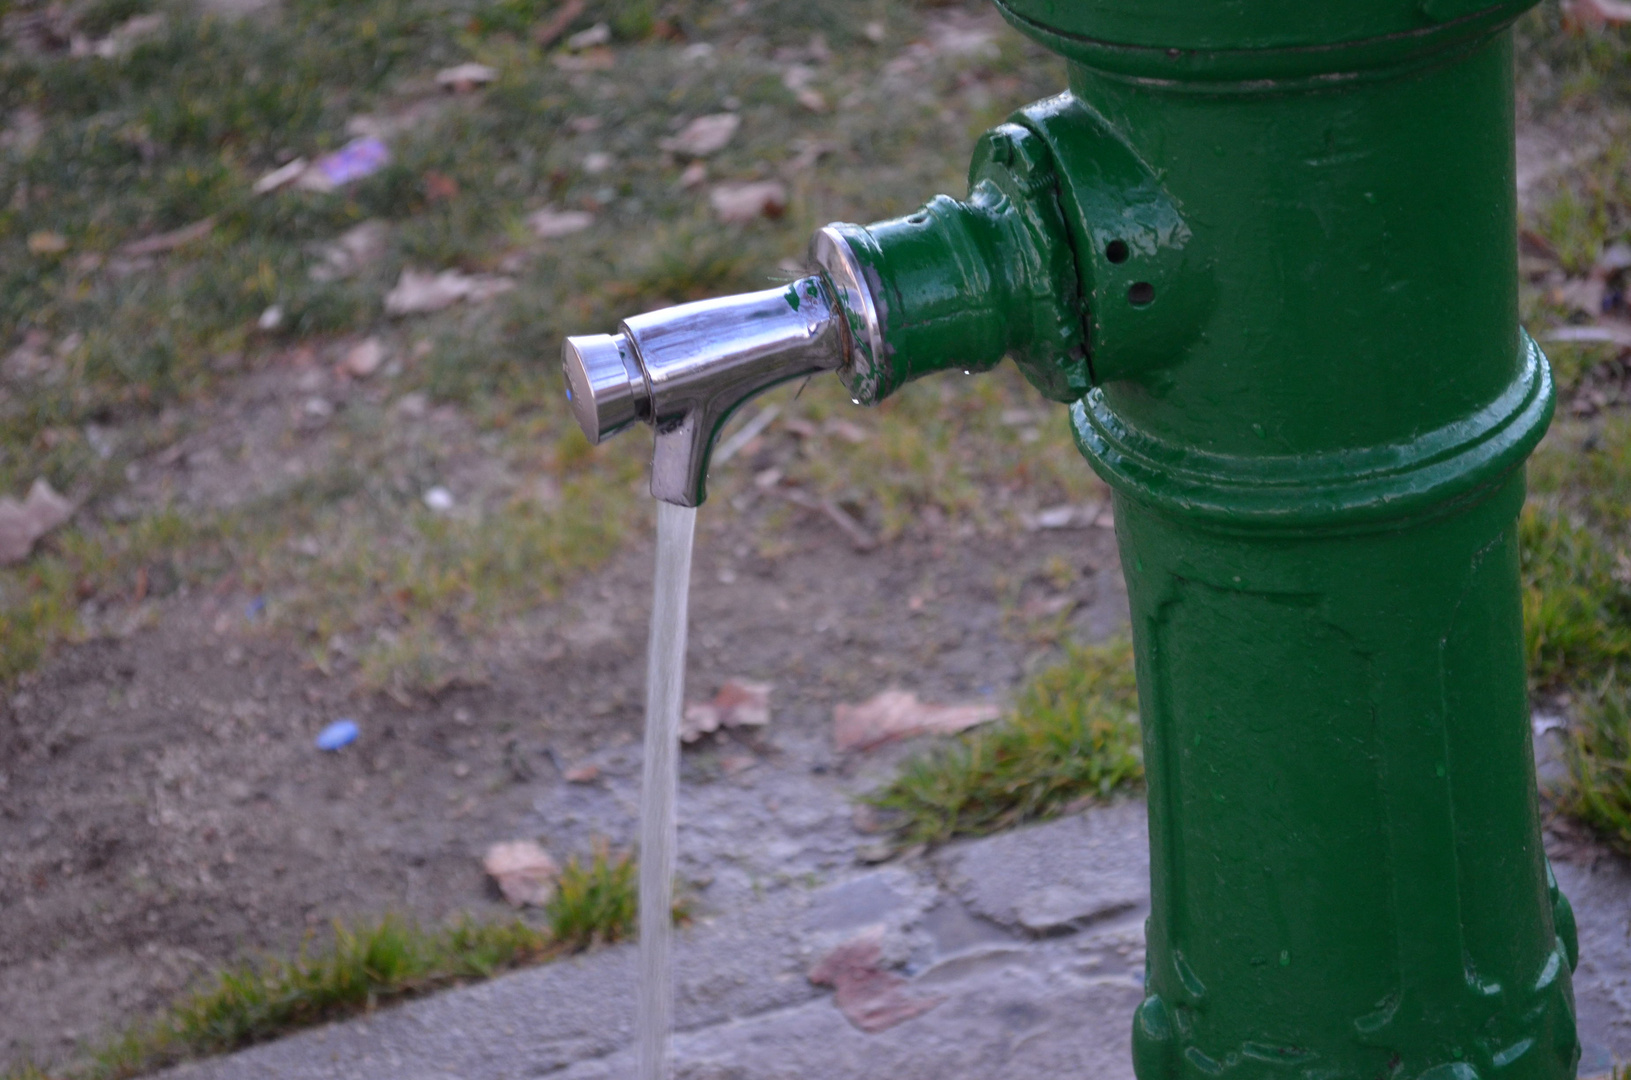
685 369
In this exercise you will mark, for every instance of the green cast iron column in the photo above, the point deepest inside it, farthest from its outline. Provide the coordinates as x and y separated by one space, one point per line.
1267 249
1316 499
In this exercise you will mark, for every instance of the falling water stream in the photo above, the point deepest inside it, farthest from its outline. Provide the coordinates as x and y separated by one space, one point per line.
665 695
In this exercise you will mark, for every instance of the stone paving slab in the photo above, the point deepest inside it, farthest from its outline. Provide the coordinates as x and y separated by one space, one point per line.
1023 1012
1032 942
1063 875
544 1019
1601 894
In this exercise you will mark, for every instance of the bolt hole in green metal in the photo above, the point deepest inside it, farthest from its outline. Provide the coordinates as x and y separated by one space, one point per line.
1116 251
1141 293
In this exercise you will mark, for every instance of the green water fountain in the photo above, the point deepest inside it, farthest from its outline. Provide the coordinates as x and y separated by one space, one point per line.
1265 251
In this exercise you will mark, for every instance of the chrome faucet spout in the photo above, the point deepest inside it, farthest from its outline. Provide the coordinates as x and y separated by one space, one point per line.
685 369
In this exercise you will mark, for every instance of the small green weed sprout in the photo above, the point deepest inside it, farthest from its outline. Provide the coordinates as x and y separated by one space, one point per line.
595 903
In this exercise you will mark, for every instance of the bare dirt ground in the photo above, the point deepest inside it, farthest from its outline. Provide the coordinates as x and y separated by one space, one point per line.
163 809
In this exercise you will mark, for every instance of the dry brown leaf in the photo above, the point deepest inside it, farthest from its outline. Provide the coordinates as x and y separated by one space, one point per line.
47 243
364 358
462 78
1584 295
869 997
524 872
280 177
594 37
353 251
169 241
549 223
1596 14
1067 516
418 291
120 41
694 174
739 703
23 523
440 187
798 79
898 714
703 136
1606 332
739 203
558 22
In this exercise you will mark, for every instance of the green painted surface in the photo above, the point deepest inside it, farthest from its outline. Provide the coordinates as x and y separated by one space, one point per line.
1246 25
961 284
1233 43
1347 873
1277 239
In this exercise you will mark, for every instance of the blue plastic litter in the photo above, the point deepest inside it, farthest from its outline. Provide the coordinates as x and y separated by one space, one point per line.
338 734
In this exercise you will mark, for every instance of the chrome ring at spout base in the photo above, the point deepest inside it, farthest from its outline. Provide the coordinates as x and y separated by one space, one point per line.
856 302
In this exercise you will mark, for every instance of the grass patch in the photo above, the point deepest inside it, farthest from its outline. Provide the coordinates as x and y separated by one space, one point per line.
400 594
1073 735
44 601
1563 69
394 594
1588 208
364 966
1599 793
112 150
979 451
1576 573
1577 610
595 903
1576 600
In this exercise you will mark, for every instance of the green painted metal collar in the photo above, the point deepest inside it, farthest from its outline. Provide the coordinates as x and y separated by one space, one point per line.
1253 41
1337 492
